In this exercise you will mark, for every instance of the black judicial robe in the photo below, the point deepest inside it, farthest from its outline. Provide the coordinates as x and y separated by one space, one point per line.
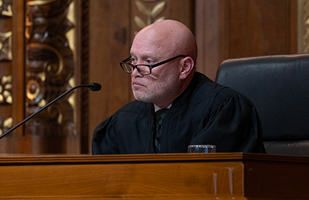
205 113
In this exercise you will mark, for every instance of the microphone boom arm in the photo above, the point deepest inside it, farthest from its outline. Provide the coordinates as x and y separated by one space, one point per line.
93 87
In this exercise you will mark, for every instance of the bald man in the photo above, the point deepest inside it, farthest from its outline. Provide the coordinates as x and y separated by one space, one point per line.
175 106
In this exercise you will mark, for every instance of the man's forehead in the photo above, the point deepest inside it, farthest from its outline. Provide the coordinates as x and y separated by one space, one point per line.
148 49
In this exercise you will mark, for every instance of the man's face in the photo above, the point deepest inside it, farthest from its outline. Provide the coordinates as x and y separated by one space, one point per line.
161 84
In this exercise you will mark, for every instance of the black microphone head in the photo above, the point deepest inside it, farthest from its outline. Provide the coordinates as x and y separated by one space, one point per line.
95 86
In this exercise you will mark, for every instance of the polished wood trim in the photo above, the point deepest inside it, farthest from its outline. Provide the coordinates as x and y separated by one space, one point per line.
149 158
119 158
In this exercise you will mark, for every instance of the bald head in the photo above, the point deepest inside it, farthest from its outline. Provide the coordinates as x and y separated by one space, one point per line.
172 43
170 36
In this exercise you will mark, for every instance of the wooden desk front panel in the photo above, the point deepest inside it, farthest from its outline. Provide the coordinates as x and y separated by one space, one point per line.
121 181
277 179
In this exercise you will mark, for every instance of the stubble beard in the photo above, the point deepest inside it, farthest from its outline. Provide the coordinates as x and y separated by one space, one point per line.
142 96
152 96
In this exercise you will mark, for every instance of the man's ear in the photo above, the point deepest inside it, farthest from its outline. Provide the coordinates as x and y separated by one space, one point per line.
186 67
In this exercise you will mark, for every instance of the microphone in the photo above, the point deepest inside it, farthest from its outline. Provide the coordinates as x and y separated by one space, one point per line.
92 86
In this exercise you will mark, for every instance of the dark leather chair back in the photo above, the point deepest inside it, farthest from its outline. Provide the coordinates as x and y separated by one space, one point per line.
278 86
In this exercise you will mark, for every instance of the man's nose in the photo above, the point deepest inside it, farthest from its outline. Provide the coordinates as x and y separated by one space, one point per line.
135 72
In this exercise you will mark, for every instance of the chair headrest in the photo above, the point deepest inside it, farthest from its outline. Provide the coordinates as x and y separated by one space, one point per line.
279 88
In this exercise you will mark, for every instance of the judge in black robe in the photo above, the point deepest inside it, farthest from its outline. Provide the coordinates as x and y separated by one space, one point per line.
199 111
205 113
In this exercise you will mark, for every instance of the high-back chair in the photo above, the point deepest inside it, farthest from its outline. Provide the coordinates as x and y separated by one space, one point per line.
278 86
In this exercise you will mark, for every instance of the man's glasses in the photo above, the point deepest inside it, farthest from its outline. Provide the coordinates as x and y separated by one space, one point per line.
143 68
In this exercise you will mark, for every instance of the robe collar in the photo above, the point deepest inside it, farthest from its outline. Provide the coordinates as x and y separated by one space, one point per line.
156 108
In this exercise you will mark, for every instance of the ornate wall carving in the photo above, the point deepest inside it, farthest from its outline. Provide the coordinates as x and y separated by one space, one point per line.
149 11
49 67
6 8
6 99
6 45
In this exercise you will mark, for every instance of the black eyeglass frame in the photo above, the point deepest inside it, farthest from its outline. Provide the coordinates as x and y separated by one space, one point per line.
149 66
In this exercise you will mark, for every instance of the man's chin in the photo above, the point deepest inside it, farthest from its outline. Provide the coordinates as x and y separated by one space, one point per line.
141 97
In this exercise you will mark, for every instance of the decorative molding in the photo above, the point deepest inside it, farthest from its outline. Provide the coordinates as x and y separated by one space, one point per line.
6 90
39 2
84 77
6 8
303 26
149 12
6 99
6 46
5 124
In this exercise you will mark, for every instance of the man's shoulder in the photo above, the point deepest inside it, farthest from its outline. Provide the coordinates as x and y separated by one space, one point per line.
135 106
208 89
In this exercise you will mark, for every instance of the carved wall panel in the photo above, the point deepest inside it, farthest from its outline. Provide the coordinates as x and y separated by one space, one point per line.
6 99
49 73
